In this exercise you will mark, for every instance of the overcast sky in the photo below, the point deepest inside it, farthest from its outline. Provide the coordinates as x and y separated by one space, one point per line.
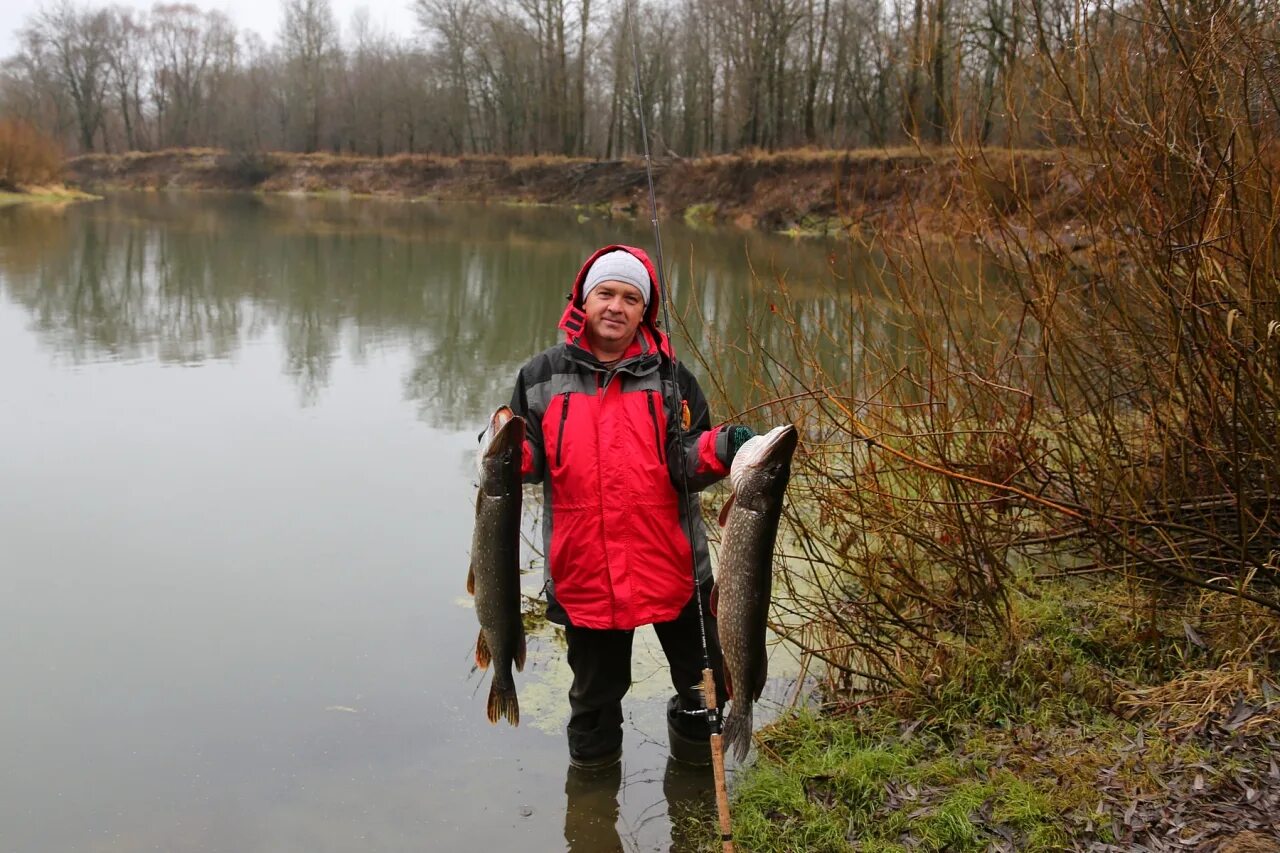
260 15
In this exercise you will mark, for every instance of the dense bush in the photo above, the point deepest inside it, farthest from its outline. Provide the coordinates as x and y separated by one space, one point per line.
247 169
26 155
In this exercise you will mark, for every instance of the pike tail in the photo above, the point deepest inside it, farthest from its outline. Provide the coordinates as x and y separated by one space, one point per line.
737 729
502 700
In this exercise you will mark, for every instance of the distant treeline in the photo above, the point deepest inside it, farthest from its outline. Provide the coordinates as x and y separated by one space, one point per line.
557 77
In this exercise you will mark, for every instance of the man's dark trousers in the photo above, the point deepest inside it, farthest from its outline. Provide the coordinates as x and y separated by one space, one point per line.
601 664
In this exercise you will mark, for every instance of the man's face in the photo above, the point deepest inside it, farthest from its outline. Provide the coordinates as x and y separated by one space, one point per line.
614 311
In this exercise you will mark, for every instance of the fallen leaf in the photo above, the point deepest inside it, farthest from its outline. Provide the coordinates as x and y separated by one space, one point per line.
1239 715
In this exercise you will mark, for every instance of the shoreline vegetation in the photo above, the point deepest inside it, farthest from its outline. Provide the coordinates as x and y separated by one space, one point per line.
1101 722
54 194
31 167
802 192
1031 539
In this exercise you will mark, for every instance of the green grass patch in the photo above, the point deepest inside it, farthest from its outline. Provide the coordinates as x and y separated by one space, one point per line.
830 784
1030 739
701 215
60 195
814 226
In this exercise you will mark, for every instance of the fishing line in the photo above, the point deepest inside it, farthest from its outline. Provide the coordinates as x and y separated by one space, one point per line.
710 703
713 719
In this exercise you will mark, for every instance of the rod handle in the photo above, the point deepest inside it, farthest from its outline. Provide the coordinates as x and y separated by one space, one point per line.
717 765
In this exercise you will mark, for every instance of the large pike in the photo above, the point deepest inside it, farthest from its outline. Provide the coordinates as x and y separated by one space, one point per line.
494 577
760 472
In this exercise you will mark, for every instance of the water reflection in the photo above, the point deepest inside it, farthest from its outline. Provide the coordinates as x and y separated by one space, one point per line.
228 572
471 291
691 802
591 808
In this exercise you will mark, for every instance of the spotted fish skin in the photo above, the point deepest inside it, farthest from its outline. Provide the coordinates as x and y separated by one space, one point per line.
760 473
494 576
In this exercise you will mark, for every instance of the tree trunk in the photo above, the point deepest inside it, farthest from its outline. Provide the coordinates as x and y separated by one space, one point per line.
940 116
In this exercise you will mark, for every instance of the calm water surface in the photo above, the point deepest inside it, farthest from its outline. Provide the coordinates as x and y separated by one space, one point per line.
237 480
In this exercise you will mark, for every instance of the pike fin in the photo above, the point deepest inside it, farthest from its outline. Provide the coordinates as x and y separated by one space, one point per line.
483 655
471 581
737 730
724 510
759 687
728 684
503 703
520 649
715 599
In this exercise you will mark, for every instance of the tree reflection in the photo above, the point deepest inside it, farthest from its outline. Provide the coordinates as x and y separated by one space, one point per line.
470 291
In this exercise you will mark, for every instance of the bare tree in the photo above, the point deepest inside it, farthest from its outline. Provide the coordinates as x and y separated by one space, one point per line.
73 44
190 51
309 41
453 23
556 76
126 36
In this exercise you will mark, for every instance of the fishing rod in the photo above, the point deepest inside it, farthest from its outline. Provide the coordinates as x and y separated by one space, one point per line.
709 701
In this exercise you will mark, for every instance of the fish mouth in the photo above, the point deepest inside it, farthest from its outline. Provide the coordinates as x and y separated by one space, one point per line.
778 443
772 448
505 432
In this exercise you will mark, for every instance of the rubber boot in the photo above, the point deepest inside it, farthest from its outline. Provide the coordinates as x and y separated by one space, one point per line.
688 735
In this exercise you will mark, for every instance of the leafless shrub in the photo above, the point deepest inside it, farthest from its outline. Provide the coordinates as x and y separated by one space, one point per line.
1096 398
26 155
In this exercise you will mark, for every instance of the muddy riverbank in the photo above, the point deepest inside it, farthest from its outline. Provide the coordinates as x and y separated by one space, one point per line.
801 191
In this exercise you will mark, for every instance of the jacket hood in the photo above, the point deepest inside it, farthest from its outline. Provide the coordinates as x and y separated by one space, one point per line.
574 322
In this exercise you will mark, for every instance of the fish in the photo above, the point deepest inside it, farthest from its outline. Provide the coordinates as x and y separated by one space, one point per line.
740 597
494 575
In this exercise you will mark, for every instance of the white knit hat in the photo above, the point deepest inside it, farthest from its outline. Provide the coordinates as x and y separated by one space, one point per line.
618 265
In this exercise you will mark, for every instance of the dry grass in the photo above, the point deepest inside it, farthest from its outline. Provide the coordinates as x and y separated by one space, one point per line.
908 153
1237 696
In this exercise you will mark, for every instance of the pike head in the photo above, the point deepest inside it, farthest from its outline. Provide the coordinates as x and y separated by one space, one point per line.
762 468
500 452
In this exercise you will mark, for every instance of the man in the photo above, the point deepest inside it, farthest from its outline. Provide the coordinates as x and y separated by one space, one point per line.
613 443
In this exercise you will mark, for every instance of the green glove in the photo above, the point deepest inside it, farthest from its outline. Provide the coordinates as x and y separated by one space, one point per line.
738 436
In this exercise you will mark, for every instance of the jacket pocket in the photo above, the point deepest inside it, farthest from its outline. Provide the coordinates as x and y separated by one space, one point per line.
657 427
564 416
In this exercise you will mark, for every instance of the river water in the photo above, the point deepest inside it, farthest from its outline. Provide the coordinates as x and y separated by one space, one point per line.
237 481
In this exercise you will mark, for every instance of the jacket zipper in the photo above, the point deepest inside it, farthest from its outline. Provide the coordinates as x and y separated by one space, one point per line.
657 432
564 416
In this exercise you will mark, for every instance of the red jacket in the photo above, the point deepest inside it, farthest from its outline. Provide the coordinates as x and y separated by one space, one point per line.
608 447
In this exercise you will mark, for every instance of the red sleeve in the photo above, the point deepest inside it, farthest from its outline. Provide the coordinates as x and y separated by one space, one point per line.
526 458
708 462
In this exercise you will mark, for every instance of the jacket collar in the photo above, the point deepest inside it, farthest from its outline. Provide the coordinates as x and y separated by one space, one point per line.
642 357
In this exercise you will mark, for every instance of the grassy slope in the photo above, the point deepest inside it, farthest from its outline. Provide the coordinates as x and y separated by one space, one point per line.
1097 725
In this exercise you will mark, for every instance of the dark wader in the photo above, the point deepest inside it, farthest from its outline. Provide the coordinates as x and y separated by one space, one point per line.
601 664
